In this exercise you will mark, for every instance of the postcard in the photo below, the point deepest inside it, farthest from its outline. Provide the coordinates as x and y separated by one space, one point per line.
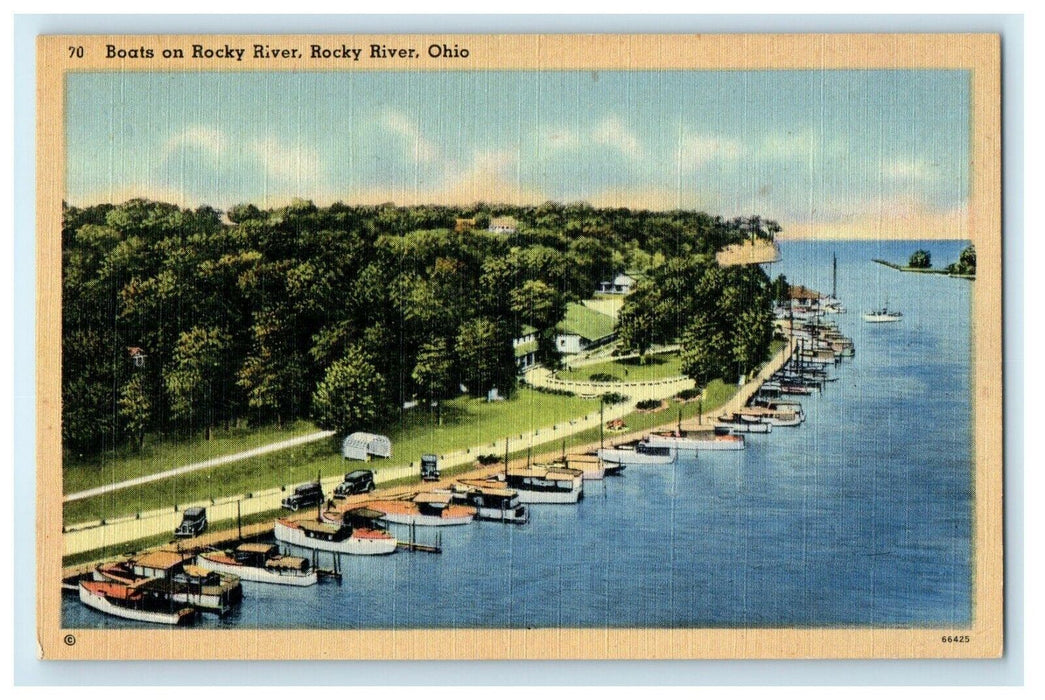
519 347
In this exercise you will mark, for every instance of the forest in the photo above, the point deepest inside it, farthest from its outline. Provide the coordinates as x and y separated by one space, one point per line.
179 321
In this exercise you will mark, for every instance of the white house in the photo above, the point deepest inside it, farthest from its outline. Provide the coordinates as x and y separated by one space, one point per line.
525 348
621 284
503 224
583 328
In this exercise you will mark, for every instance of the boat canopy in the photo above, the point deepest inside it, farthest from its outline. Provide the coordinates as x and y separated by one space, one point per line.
435 499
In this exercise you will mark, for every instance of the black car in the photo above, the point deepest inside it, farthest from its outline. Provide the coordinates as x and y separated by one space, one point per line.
304 496
193 522
359 481
429 467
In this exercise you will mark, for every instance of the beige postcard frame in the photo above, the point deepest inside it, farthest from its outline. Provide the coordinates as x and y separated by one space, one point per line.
978 53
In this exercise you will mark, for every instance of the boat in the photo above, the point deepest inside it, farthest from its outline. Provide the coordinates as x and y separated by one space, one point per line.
780 417
262 563
544 483
592 467
429 509
491 502
637 454
131 603
883 315
682 441
174 576
736 425
357 533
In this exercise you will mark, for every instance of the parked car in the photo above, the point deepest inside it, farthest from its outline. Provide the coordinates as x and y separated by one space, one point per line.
304 496
359 481
429 468
193 523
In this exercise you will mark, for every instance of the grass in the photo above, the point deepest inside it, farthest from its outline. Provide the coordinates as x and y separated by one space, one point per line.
466 423
127 463
630 370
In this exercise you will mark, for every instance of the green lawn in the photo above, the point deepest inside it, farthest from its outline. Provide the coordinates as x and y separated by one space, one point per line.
630 370
158 455
466 423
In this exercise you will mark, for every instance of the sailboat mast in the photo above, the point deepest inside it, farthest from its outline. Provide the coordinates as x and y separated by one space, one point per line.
834 276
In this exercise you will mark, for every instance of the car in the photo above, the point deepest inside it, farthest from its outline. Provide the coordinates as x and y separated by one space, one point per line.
193 523
429 467
359 481
304 496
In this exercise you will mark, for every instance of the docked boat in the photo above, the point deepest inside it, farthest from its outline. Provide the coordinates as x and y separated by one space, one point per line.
429 509
736 425
131 603
545 483
779 417
682 441
883 315
262 563
491 502
592 467
171 575
357 534
638 454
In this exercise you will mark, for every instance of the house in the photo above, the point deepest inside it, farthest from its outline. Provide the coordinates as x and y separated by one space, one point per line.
363 446
621 284
582 329
525 347
503 224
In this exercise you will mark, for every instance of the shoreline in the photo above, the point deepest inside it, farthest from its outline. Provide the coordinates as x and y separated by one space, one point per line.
260 529
923 270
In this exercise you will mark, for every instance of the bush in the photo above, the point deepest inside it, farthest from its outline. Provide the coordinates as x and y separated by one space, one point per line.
554 392
487 460
603 377
613 397
648 405
687 394
920 259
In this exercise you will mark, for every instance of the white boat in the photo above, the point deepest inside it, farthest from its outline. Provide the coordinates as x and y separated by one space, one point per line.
883 315
262 563
172 576
491 502
592 467
693 442
544 483
345 538
428 509
736 425
121 600
638 454
774 416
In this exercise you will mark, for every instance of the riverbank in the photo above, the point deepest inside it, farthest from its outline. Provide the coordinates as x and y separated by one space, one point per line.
586 439
923 270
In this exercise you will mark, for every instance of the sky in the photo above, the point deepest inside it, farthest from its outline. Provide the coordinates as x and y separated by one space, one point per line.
825 153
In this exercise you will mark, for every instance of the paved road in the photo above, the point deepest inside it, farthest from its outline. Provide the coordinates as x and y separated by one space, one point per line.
196 466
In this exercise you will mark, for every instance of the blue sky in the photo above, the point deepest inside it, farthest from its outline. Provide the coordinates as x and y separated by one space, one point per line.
824 152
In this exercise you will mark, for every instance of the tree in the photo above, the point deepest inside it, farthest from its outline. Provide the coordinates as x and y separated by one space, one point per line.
481 346
197 374
636 322
351 395
273 375
703 346
135 409
432 371
920 259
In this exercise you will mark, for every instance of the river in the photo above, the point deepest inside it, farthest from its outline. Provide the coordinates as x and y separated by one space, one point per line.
862 516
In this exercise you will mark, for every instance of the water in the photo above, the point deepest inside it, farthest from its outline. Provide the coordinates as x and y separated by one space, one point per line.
862 516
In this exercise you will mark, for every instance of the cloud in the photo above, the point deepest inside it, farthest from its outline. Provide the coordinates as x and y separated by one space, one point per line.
611 133
901 217
422 150
910 169
286 162
697 150
201 138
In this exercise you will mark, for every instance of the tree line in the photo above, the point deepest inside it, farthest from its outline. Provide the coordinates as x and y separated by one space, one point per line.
178 321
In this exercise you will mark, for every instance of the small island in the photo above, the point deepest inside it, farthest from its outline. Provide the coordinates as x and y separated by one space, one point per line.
921 261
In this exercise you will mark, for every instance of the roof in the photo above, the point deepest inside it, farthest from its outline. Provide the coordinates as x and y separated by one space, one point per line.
366 437
257 547
585 322
526 329
161 559
523 349
362 512
504 222
471 485
434 498
797 291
